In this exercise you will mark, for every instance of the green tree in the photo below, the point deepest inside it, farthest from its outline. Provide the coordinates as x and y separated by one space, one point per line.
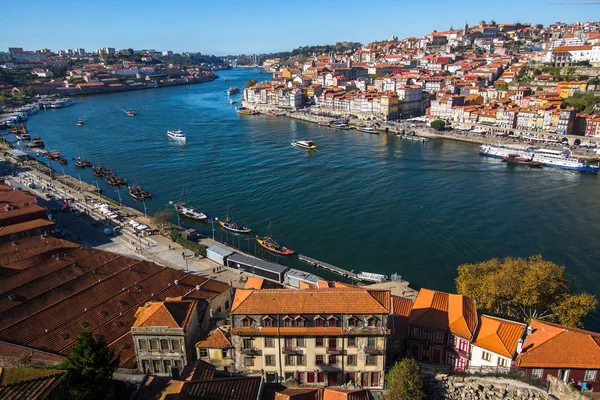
90 366
523 289
438 124
251 82
404 381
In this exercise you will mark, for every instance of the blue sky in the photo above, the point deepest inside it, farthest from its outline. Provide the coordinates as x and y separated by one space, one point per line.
233 27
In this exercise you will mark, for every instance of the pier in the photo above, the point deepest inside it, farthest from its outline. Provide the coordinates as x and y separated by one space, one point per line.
328 267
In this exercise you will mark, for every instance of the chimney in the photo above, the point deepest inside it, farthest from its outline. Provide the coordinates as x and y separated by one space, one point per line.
529 330
520 346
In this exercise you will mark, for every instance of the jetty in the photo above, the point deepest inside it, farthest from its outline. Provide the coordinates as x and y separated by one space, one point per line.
340 271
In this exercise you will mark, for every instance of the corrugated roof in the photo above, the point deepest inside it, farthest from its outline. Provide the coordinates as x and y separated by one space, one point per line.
498 335
257 263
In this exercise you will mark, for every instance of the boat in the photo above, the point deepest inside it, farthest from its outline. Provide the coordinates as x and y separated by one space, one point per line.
36 142
79 122
25 137
340 125
97 171
304 144
20 116
82 162
53 155
327 124
60 103
518 160
233 90
491 150
62 160
271 245
564 160
368 129
138 193
232 226
273 114
187 211
245 111
113 181
131 113
177 135
30 109
412 136
232 101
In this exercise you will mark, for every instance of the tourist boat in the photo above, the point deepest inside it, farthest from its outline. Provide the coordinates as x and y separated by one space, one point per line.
327 124
368 129
273 114
304 144
491 150
563 159
20 116
245 111
23 136
187 211
36 142
271 245
340 125
82 163
79 122
232 101
233 90
232 226
518 160
62 160
138 193
30 109
177 135
97 171
53 155
60 103
113 181
131 113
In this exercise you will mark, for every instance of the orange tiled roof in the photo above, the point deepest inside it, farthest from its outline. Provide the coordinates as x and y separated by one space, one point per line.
311 301
452 312
565 49
172 314
498 335
556 346
401 306
215 340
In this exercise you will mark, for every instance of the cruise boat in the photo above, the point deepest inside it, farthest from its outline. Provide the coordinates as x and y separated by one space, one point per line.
138 193
563 159
131 113
233 90
30 109
187 211
368 129
79 122
60 103
177 135
232 226
491 150
245 111
304 144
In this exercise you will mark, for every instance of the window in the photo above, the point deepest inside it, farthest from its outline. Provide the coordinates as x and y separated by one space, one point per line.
175 345
269 342
248 361
289 359
319 322
156 366
300 342
463 346
146 365
332 343
333 322
438 337
310 377
287 321
351 342
372 321
247 343
268 322
225 353
371 342
143 344
270 360
301 359
246 322
486 356
203 353
302 377
164 344
153 344
416 332
320 377
332 359
371 360
351 359
352 321
537 373
167 365
319 360
299 321
426 335
590 375
319 342
502 362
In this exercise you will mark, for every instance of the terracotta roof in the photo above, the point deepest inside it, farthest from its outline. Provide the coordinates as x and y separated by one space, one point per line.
197 371
452 312
556 346
28 383
401 306
254 282
498 335
565 49
215 340
244 388
24 226
345 394
311 301
172 314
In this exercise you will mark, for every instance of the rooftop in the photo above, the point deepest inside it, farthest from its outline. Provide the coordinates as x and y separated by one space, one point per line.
170 314
498 335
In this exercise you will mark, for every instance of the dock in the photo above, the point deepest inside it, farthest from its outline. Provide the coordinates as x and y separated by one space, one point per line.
328 267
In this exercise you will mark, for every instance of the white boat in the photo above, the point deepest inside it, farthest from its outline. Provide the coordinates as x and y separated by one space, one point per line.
304 144
232 101
60 103
340 125
491 150
563 159
177 135
185 210
20 116
233 90
368 129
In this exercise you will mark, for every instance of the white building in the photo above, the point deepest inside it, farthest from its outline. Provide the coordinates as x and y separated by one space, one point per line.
495 344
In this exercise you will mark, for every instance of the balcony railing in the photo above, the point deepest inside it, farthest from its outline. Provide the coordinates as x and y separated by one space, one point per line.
253 351
335 351
374 350
291 350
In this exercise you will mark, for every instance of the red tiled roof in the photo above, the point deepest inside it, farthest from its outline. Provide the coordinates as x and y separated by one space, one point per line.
170 314
215 340
498 335
565 49
24 226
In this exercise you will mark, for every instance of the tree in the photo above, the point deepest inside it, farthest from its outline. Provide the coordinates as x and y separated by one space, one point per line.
438 124
163 217
251 82
404 381
90 366
524 289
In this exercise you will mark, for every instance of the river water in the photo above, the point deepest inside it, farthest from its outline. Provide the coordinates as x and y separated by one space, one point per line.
362 202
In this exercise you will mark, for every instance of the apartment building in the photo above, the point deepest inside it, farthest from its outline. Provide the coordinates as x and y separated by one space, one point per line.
324 337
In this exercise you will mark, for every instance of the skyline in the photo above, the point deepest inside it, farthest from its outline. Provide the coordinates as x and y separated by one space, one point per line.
257 27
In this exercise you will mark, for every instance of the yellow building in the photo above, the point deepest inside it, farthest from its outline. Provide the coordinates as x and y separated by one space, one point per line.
568 89
216 349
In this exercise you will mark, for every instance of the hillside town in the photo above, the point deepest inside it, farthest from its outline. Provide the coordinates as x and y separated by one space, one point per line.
508 78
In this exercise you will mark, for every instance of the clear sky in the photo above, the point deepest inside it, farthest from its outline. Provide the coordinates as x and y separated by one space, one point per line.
232 26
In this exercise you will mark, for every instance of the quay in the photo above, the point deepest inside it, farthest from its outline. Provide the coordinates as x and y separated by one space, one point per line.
332 268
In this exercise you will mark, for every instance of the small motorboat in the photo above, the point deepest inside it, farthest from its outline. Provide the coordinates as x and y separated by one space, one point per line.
53 155
327 124
177 135
187 211
518 160
24 137
138 193
131 113
232 101
79 122
304 144
368 129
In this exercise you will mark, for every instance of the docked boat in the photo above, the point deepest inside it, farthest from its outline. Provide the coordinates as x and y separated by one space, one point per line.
131 113
327 124
368 129
82 162
518 160
177 135
187 211
491 150
233 90
53 155
30 109
273 114
97 171
20 116
372 277
24 137
271 245
232 226
113 181
138 193
62 160
60 103
36 142
564 160
245 111
304 144
340 125
79 122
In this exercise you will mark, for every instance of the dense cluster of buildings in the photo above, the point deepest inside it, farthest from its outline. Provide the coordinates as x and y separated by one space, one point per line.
489 74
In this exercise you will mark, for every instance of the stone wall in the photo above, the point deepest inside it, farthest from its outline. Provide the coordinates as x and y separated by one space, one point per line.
481 388
564 392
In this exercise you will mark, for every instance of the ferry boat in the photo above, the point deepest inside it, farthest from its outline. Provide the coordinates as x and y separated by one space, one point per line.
138 193
304 144
131 113
233 90
368 129
491 150
79 122
245 111
563 159
527 161
232 226
177 135
187 211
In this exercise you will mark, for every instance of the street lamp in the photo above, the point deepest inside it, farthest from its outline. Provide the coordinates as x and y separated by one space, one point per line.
212 223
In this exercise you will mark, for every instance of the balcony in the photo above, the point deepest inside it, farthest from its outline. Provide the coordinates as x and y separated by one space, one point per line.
251 351
291 351
335 351
374 350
